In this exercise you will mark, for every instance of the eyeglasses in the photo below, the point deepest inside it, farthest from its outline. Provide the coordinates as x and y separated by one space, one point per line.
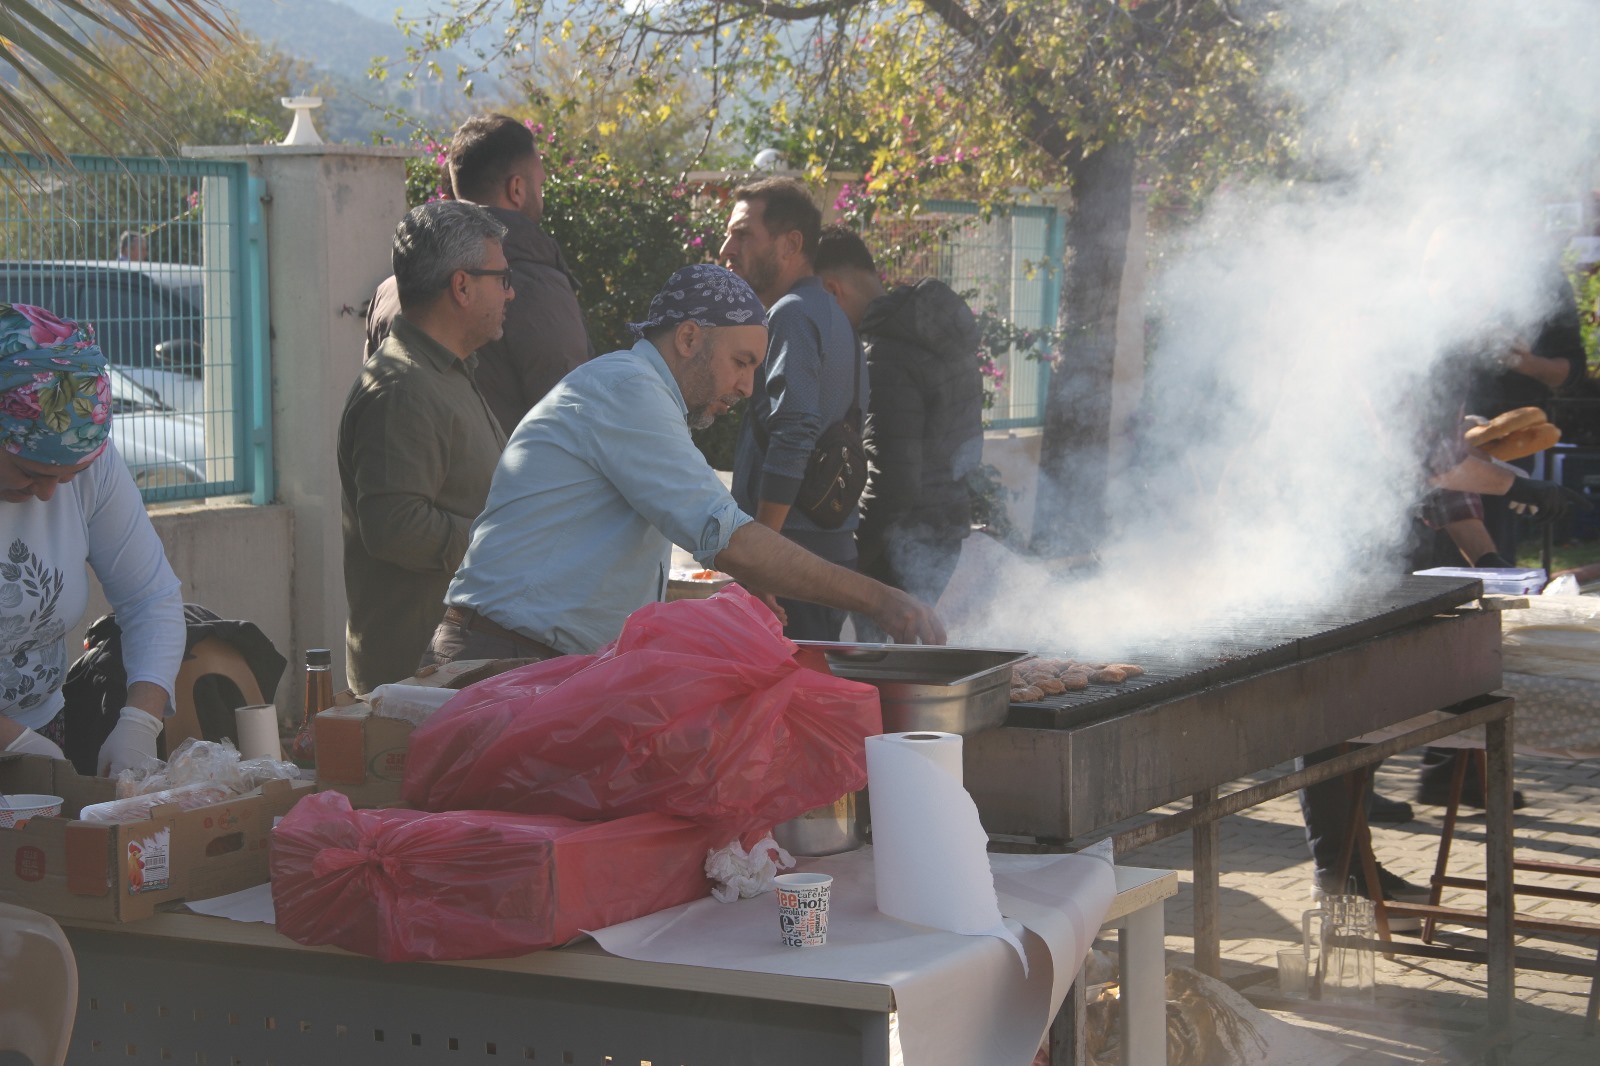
503 275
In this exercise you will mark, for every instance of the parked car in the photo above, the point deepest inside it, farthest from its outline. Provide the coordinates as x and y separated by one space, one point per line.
146 316
162 447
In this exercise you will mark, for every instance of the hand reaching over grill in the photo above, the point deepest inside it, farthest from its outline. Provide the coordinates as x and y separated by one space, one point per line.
1548 500
907 619
761 559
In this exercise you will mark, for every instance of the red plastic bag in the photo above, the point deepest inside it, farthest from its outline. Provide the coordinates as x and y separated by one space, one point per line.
698 710
405 885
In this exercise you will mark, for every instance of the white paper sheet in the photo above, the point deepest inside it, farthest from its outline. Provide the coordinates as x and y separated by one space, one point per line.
962 1000
246 905
929 847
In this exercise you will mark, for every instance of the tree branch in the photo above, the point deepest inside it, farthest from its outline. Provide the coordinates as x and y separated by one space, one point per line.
791 13
1043 125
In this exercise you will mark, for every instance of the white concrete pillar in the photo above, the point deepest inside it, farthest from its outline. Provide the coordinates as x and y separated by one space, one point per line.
330 211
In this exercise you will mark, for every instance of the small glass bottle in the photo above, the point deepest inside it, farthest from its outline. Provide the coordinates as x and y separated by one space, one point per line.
319 697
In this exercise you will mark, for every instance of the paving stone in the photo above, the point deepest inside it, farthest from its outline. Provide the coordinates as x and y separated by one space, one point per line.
1264 856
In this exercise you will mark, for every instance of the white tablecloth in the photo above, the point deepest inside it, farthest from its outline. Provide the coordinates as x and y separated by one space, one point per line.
961 1000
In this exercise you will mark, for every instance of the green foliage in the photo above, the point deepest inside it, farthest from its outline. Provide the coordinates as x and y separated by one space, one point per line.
1586 287
999 336
233 100
991 503
76 64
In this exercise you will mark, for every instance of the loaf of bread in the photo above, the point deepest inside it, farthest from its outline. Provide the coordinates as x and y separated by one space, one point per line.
1523 442
1504 425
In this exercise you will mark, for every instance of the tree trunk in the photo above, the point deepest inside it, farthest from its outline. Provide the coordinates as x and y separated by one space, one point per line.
1070 516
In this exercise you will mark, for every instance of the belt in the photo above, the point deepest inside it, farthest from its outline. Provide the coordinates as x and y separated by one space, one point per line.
473 622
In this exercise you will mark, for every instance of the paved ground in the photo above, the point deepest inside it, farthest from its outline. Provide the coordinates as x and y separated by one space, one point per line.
1431 1008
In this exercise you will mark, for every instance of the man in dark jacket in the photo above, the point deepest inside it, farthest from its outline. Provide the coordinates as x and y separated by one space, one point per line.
924 430
495 163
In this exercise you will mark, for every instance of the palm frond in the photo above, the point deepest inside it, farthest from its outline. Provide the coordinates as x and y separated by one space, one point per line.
51 45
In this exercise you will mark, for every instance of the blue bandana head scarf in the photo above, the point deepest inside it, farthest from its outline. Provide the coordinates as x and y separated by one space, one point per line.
703 293
55 397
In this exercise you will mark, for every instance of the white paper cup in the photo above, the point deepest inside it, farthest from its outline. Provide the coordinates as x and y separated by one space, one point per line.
803 909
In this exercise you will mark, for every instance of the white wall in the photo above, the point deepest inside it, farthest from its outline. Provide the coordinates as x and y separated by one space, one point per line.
234 559
329 212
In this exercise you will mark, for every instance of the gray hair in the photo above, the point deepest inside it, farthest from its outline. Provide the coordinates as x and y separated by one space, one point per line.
433 242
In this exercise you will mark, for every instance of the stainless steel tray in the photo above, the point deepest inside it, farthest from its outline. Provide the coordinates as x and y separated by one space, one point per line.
949 690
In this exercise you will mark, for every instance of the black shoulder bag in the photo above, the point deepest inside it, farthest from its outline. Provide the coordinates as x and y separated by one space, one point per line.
836 472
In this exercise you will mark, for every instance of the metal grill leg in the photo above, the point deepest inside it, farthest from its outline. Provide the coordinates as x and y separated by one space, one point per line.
1207 845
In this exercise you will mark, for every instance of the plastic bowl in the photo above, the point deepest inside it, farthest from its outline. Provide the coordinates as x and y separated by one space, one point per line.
15 810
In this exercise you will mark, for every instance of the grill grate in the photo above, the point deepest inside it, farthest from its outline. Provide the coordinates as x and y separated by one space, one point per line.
1215 654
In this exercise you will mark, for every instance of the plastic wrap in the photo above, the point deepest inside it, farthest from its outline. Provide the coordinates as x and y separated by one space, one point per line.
204 762
404 885
138 808
698 710
409 703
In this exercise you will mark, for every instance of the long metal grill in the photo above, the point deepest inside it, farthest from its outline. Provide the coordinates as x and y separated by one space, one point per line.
1212 655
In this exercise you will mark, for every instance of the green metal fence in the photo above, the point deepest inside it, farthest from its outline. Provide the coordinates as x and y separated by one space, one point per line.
166 259
1009 264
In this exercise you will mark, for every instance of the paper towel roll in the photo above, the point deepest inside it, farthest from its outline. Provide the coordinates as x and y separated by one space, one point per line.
257 727
929 850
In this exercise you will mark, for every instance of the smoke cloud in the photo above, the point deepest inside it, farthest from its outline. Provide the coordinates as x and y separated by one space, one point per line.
1304 327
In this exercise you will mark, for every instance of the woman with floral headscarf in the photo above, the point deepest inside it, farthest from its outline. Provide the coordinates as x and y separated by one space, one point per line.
66 500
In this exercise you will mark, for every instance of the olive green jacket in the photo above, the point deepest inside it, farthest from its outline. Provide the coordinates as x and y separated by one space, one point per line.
417 448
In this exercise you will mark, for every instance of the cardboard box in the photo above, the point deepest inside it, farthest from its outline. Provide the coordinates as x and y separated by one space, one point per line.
120 873
363 755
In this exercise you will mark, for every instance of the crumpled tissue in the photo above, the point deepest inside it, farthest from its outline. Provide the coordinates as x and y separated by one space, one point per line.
740 874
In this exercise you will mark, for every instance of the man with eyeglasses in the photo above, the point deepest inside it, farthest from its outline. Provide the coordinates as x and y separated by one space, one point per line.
418 442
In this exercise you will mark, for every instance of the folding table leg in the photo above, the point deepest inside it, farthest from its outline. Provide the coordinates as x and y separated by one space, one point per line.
1498 879
1142 953
1447 835
1068 1035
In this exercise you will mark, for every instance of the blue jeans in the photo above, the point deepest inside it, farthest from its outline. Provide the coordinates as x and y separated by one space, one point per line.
1326 808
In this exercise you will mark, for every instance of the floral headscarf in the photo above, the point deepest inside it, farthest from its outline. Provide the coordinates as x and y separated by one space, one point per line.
705 293
55 397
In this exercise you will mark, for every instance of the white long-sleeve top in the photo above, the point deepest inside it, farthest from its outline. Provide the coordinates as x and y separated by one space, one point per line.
97 519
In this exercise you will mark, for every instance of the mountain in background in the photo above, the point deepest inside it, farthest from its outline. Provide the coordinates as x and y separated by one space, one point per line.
339 40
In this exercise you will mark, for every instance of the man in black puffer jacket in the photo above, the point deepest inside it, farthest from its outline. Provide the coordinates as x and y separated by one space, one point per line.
924 431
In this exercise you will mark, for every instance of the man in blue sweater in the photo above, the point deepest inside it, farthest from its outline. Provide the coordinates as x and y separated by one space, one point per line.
813 374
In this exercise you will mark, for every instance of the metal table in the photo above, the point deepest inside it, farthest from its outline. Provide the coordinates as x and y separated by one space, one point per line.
194 989
180 987
1221 708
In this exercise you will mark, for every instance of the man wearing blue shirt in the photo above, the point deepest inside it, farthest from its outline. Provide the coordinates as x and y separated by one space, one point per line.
602 477
813 373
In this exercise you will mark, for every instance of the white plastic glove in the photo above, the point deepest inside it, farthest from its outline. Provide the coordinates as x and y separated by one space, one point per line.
31 743
131 744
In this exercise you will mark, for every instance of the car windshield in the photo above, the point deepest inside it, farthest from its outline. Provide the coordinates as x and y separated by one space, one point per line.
128 396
